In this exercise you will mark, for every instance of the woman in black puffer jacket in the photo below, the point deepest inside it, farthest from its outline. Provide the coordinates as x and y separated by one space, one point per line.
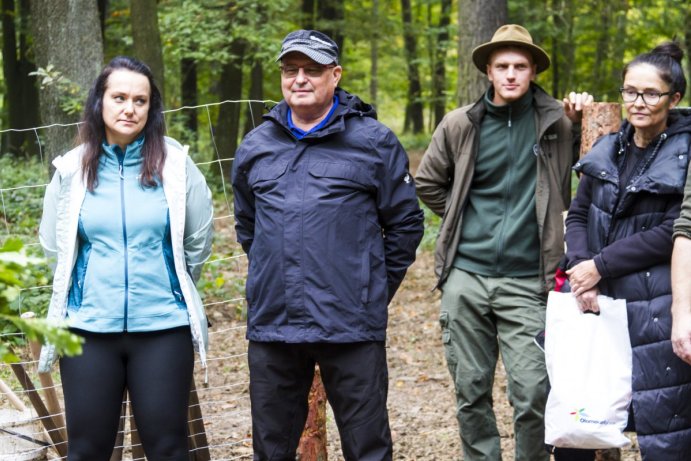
619 241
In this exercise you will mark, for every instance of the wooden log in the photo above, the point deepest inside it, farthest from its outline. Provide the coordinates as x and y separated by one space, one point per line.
11 396
199 445
599 118
49 392
137 447
59 443
608 454
120 437
313 440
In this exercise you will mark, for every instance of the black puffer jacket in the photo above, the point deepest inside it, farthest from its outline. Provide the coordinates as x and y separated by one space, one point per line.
628 234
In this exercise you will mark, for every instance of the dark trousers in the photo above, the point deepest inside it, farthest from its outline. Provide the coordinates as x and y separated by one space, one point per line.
156 369
355 378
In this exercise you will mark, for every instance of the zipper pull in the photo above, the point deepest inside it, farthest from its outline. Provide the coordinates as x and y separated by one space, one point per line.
122 176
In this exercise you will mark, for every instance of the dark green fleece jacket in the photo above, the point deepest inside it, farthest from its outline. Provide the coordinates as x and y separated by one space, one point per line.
499 234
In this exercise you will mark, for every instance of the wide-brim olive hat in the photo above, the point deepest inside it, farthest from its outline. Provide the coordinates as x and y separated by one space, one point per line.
510 35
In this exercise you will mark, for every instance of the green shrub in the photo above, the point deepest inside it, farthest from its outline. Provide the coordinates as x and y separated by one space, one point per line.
432 223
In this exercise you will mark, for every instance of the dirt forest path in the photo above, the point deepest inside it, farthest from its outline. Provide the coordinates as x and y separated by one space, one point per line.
421 396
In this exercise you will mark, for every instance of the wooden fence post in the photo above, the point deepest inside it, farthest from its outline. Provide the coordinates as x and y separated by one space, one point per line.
599 118
313 441
120 437
49 393
137 447
199 445
59 442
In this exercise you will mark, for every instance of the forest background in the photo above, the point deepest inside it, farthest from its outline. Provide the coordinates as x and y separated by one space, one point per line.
409 58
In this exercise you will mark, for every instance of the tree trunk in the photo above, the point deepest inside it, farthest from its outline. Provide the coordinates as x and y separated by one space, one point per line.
227 126
255 110
312 445
309 14
599 119
599 75
687 40
374 55
414 109
11 141
619 46
102 15
477 22
146 38
439 76
21 95
326 16
188 92
562 55
556 45
67 36
331 14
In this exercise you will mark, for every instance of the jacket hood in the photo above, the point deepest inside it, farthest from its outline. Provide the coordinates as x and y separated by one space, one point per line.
602 161
349 105
679 122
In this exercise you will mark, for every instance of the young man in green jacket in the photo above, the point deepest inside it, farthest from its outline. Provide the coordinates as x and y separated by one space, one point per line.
499 173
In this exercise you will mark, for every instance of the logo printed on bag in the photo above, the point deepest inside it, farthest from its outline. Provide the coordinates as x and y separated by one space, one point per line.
577 414
581 416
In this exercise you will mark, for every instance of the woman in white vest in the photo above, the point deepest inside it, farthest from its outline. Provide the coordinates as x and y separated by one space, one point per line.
128 223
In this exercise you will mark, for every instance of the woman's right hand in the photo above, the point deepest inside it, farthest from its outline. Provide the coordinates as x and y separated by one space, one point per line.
583 276
587 301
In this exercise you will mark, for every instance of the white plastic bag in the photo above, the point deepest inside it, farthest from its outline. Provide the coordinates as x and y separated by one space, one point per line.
588 361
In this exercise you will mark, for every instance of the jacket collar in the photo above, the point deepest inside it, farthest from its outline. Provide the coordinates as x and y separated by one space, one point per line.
511 110
601 161
131 156
348 106
548 109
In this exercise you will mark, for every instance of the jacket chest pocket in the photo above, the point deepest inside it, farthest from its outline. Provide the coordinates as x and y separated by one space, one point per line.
265 177
332 181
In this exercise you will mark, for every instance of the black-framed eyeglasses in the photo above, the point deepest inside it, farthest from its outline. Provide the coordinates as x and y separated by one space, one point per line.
650 97
311 70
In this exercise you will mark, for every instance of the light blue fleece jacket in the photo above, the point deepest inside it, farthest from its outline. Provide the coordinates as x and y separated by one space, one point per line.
191 230
124 278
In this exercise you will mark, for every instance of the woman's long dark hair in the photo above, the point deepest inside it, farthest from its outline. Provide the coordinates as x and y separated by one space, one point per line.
92 130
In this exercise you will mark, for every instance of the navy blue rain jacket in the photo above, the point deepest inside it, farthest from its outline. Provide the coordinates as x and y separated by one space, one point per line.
330 224
628 234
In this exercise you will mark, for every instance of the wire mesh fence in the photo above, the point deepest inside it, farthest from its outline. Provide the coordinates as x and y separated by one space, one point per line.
31 417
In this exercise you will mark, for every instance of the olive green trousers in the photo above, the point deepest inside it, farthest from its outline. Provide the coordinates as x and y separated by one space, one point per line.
480 318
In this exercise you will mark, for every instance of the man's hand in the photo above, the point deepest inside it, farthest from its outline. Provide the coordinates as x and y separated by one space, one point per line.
583 276
574 104
681 298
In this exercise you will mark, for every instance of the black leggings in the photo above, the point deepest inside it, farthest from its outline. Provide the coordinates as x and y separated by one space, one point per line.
156 369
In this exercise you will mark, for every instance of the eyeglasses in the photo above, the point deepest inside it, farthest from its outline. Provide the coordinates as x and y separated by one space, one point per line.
649 97
311 70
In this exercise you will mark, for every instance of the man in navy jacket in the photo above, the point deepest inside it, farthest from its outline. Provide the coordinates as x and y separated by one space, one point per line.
326 211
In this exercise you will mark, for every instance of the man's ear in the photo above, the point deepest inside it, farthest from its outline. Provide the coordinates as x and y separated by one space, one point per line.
338 71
